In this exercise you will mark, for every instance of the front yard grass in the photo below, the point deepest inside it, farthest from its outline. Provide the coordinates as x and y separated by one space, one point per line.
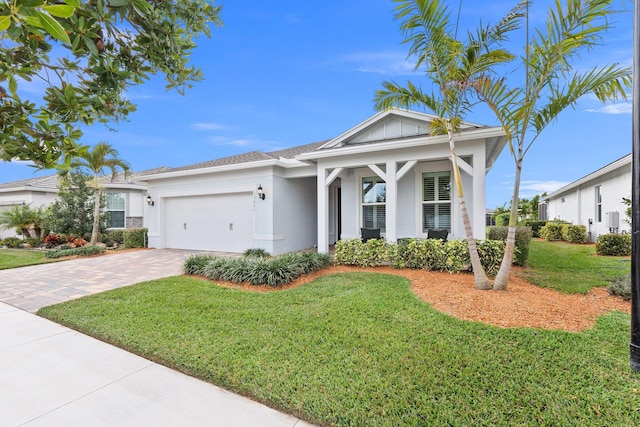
362 349
572 268
13 258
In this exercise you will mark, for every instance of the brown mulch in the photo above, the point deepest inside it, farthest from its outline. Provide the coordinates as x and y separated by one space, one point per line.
522 305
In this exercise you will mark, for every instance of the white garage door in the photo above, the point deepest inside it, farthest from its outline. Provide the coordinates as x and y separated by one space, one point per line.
220 222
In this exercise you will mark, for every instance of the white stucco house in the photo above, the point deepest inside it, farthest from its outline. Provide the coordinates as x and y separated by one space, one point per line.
594 200
386 173
125 198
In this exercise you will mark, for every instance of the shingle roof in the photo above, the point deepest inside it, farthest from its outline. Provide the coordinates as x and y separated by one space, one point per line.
252 156
49 181
134 177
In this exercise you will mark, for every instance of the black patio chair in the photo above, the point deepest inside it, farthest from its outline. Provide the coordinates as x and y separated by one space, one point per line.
434 233
369 233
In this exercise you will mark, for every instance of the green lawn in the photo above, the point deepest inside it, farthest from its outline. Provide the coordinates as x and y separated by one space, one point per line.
572 268
361 349
12 258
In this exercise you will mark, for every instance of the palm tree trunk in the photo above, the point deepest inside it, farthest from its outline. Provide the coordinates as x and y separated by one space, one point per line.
502 278
479 275
96 216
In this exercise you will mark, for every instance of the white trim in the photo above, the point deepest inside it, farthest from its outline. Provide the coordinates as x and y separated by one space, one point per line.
463 165
206 192
382 174
332 176
405 169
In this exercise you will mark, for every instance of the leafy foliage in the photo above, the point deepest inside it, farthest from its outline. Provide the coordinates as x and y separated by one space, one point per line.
79 251
72 213
574 233
135 237
256 253
523 240
12 242
552 231
614 244
89 53
24 219
621 286
273 271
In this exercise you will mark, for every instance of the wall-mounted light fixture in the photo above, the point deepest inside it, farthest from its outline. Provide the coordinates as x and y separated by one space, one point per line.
150 201
261 194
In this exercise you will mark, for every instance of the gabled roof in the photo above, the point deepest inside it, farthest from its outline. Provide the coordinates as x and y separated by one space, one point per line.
617 164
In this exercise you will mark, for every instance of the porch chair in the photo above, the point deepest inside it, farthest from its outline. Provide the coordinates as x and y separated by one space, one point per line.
434 233
369 233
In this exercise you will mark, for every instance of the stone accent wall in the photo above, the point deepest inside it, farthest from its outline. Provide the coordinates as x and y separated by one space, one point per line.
134 222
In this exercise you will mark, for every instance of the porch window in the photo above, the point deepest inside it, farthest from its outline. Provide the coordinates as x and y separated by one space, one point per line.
436 201
374 197
115 208
598 204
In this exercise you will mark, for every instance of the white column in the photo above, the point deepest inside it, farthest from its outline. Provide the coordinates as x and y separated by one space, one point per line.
479 200
392 202
323 211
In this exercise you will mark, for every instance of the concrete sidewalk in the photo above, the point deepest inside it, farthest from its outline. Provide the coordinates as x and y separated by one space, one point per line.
53 376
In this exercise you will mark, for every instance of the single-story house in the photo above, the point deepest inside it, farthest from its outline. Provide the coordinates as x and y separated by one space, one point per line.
595 200
125 198
386 173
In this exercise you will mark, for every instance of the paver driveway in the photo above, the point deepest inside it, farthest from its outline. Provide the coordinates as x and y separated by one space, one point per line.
33 287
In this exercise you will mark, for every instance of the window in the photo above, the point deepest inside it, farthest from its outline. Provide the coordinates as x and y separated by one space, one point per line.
598 204
436 201
374 197
115 208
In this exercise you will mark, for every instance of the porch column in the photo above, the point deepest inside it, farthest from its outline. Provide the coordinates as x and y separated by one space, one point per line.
392 202
323 211
323 183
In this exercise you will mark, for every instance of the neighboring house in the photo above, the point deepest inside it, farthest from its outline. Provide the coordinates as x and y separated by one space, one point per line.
594 200
387 173
125 199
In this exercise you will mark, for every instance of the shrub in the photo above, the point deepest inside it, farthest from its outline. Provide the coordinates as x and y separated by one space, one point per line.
523 240
535 226
79 251
33 242
116 235
353 252
12 242
621 286
426 254
552 231
194 264
256 253
135 237
574 233
77 242
491 253
52 240
258 271
502 220
614 244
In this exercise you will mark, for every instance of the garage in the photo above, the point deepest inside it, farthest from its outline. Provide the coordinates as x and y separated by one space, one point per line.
216 222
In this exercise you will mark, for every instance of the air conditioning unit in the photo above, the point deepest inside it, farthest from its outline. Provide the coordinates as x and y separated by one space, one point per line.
614 219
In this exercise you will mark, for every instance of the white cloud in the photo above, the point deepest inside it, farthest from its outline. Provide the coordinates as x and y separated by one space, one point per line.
379 62
620 108
539 187
208 126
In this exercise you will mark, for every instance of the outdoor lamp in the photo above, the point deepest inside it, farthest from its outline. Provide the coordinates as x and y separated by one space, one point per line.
261 192
150 202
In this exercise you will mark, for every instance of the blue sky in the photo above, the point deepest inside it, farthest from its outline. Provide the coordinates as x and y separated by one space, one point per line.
286 73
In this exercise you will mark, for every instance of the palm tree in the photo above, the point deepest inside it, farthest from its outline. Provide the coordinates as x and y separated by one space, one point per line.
551 86
96 160
22 218
454 67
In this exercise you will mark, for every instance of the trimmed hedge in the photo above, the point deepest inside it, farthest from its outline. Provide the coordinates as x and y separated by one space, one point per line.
427 254
552 231
621 287
574 233
274 271
80 251
535 225
12 242
502 220
523 240
614 244
135 237
116 235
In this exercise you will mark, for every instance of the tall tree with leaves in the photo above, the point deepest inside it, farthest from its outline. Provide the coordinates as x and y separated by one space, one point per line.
102 157
552 84
72 213
87 54
454 67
